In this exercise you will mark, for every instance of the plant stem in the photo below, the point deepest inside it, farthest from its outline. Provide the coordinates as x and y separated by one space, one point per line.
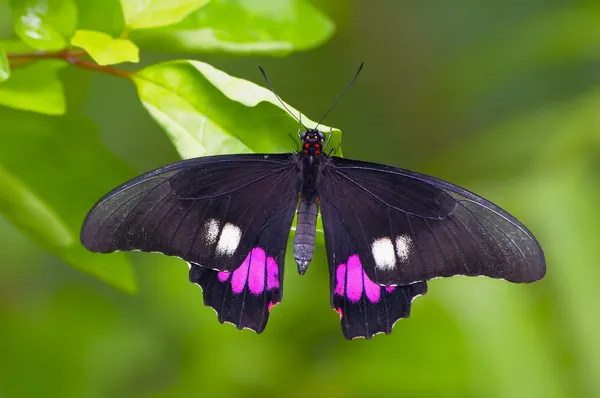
73 57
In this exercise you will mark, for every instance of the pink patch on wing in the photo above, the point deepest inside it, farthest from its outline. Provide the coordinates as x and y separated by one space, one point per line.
223 276
351 280
390 289
240 275
252 272
272 274
372 289
256 276
354 279
339 311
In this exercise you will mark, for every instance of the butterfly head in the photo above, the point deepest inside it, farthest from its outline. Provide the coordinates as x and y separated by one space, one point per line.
312 142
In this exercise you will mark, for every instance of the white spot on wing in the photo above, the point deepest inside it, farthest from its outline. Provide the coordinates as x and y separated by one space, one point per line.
383 252
403 246
211 231
229 240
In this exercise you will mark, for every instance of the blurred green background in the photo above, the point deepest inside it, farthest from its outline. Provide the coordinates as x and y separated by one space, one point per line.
501 97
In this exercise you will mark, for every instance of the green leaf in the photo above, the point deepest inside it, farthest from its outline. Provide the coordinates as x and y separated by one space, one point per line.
35 88
52 171
140 14
44 24
104 49
243 27
206 111
4 66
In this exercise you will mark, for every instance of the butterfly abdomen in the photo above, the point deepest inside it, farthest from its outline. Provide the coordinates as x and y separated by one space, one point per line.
306 229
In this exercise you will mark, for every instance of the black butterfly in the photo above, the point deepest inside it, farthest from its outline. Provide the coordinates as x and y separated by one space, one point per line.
387 231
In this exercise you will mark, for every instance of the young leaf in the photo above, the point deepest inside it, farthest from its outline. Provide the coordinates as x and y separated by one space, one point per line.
243 27
53 170
35 88
104 49
206 111
140 14
44 24
4 66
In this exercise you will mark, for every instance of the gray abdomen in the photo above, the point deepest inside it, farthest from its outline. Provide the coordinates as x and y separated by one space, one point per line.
306 229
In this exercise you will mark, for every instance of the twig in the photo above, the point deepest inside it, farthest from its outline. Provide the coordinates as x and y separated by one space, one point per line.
73 57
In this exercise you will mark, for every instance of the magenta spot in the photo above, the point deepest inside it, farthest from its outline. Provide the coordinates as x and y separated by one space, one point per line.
354 279
256 277
390 289
252 271
272 274
339 311
372 289
240 275
271 305
223 276
340 279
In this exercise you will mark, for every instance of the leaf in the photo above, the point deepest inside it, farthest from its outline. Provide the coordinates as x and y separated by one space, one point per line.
52 171
243 27
140 14
4 66
44 24
35 88
206 111
104 49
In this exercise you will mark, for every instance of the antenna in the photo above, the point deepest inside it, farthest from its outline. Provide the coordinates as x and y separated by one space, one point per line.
341 95
282 103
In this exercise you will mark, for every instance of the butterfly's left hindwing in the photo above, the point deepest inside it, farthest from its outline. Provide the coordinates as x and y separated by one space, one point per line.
228 216
365 307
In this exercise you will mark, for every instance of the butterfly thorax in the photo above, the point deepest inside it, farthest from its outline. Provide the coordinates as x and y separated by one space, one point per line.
309 162
312 142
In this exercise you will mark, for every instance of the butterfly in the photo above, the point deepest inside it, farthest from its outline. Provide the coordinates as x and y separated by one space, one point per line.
387 231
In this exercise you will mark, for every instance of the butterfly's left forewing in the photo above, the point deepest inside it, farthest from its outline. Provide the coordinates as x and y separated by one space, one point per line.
410 227
228 216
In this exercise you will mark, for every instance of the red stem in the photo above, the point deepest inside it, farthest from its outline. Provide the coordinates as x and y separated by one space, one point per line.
73 57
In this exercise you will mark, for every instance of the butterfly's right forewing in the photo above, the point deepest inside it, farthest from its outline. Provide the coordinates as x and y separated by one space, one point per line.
208 211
